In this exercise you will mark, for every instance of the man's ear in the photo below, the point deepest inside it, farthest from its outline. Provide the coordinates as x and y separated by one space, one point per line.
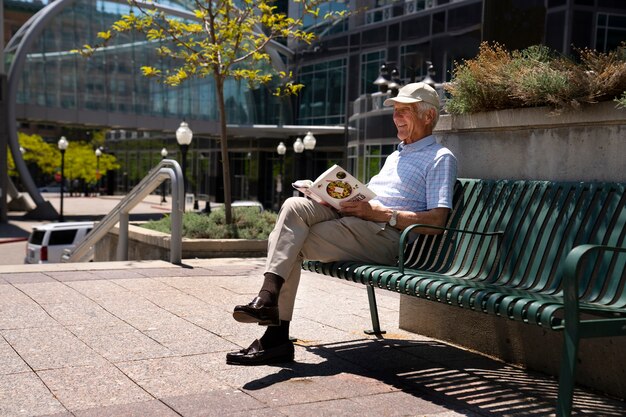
430 116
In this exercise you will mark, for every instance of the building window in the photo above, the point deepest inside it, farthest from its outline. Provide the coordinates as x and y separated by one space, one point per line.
413 59
370 68
353 159
379 14
323 98
610 31
412 6
317 23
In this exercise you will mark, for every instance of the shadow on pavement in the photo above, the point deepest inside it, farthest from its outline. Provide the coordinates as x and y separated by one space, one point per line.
443 375
8 230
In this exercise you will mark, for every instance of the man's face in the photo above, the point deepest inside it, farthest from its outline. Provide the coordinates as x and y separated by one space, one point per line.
411 127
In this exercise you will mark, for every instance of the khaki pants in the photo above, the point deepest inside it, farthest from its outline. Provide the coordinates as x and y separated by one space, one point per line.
306 229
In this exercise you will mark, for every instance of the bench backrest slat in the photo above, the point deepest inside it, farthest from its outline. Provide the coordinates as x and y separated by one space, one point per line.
541 222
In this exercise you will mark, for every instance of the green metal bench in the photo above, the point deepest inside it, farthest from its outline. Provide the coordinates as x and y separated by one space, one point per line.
544 253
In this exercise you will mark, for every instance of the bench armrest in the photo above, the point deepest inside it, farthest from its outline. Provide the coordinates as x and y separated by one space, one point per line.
574 272
406 232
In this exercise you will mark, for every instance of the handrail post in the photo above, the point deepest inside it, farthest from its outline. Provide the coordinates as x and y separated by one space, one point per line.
178 206
122 239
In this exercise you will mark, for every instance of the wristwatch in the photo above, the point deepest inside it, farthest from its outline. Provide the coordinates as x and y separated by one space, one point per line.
394 219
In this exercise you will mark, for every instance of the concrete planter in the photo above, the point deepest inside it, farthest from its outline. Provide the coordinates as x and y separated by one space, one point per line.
145 244
584 145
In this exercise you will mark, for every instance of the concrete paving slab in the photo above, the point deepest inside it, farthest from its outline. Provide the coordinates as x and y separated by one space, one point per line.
117 345
51 348
216 404
87 387
170 377
24 394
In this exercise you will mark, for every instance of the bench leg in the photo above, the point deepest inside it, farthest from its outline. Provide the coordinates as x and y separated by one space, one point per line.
567 374
373 312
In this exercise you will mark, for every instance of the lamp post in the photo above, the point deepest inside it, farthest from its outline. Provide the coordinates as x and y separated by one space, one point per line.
98 155
298 148
383 80
281 150
163 156
62 144
183 137
309 142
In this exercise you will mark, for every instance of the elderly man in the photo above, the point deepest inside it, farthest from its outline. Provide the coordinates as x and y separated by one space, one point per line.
415 185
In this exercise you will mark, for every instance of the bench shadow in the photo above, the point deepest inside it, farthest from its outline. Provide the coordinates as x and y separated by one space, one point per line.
443 375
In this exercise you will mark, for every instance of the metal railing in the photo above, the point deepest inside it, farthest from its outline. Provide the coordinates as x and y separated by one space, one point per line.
167 168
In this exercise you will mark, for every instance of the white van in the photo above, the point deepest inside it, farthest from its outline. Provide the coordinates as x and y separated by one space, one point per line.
47 242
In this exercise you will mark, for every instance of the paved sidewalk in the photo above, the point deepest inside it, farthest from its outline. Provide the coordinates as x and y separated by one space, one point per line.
150 338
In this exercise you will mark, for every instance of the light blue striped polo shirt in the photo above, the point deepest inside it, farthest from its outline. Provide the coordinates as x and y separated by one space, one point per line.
416 177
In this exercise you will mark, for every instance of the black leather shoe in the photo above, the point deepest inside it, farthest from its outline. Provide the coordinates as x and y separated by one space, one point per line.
256 355
257 312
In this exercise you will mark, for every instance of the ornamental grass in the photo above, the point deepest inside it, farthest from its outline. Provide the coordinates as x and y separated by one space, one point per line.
536 76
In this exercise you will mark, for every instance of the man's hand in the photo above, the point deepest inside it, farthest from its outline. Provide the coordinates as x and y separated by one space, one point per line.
366 210
374 211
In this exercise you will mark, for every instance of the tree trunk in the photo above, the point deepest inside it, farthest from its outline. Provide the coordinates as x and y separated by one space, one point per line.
219 88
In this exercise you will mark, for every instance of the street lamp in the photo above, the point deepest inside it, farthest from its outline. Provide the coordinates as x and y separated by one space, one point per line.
298 148
281 150
309 144
98 155
183 137
62 144
383 80
163 156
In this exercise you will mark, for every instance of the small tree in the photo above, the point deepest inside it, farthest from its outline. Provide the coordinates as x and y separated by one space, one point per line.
80 158
226 35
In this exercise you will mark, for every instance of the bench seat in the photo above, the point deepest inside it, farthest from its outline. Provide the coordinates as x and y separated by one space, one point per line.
543 253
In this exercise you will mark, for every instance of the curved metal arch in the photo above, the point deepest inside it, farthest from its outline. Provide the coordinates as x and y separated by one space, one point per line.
22 41
32 28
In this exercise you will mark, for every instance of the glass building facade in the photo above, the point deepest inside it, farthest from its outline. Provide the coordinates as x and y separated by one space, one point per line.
60 88
110 82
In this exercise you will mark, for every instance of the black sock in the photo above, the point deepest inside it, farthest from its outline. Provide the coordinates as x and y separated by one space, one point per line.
270 289
275 335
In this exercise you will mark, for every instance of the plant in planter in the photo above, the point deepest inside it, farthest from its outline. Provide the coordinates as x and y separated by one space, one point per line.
536 76
247 223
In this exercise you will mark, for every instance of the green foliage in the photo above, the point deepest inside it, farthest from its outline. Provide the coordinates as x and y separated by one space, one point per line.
36 151
621 101
226 34
498 79
248 223
80 158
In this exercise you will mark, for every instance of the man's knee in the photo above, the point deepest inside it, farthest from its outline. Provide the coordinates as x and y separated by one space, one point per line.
300 206
296 203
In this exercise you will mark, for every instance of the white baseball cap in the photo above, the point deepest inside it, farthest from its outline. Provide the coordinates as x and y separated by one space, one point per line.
414 92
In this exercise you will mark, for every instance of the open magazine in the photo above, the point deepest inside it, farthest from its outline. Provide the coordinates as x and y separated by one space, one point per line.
334 186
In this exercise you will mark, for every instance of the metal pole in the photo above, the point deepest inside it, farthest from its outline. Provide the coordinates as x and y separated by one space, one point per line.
282 180
4 138
163 200
62 183
183 149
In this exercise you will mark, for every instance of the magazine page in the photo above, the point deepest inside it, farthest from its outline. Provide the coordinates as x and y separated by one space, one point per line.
337 185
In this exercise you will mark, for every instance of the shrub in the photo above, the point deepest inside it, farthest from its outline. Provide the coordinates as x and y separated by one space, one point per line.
536 76
248 223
